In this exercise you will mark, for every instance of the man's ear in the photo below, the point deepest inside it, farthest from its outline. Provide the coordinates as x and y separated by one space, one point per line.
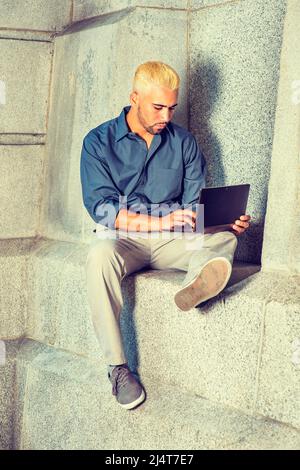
134 98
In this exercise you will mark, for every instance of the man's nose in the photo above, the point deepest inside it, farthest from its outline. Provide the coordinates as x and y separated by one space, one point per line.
165 115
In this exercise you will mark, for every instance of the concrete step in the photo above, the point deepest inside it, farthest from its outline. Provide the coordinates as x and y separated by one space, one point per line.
64 402
237 349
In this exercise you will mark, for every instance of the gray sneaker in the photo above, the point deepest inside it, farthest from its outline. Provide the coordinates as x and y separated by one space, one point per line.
208 283
125 387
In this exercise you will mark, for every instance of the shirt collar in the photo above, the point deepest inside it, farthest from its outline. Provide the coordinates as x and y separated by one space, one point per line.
123 129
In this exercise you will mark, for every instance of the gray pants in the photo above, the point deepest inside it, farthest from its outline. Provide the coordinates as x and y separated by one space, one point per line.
110 260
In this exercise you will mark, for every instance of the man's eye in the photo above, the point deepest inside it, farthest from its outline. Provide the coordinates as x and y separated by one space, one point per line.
158 109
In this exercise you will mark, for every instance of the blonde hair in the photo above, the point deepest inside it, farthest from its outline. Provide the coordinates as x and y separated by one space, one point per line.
157 73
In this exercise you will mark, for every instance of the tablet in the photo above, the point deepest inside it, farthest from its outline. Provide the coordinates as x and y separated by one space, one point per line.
223 204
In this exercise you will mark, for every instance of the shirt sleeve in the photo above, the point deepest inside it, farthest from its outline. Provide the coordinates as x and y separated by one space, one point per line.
101 197
195 171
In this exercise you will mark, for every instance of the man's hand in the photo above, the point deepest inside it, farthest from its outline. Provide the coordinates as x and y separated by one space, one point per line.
178 218
130 221
241 225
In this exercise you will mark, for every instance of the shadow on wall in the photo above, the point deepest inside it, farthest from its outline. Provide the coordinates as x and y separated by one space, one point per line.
205 88
228 153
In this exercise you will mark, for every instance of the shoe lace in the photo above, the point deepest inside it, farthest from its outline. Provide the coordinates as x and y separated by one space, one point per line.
120 377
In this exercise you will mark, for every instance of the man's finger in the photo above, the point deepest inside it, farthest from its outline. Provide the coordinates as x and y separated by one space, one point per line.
245 217
242 224
238 229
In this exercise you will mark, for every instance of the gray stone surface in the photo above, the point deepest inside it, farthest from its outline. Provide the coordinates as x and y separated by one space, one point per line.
279 387
234 71
13 286
73 313
212 350
223 347
21 189
59 287
92 94
35 14
7 395
45 275
67 404
88 8
28 350
282 230
25 70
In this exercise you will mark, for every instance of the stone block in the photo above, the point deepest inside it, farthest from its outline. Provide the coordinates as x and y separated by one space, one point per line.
28 350
45 274
279 377
216 356
67 404
25 71
282 233
223 347
213 350
35 14
75 331
21 189
89 8
14 292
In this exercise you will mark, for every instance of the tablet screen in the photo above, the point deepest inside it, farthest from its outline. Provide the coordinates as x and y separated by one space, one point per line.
224 204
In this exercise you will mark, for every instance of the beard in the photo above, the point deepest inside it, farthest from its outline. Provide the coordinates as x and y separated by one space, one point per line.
146 126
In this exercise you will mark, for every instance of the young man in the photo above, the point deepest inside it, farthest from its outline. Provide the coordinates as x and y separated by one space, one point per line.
133 168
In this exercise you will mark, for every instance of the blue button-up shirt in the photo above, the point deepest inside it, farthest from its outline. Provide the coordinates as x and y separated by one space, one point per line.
118 170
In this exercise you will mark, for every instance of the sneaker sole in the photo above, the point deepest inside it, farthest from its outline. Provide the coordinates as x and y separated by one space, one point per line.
135 403
211 280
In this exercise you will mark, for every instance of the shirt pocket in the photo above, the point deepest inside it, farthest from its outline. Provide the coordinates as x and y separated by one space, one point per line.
165 185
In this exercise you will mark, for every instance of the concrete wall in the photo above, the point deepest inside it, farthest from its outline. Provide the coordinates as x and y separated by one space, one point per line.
282 233
228 56
26 51
35 15
23 124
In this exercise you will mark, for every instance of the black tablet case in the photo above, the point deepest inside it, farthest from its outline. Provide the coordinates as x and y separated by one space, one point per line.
224 204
